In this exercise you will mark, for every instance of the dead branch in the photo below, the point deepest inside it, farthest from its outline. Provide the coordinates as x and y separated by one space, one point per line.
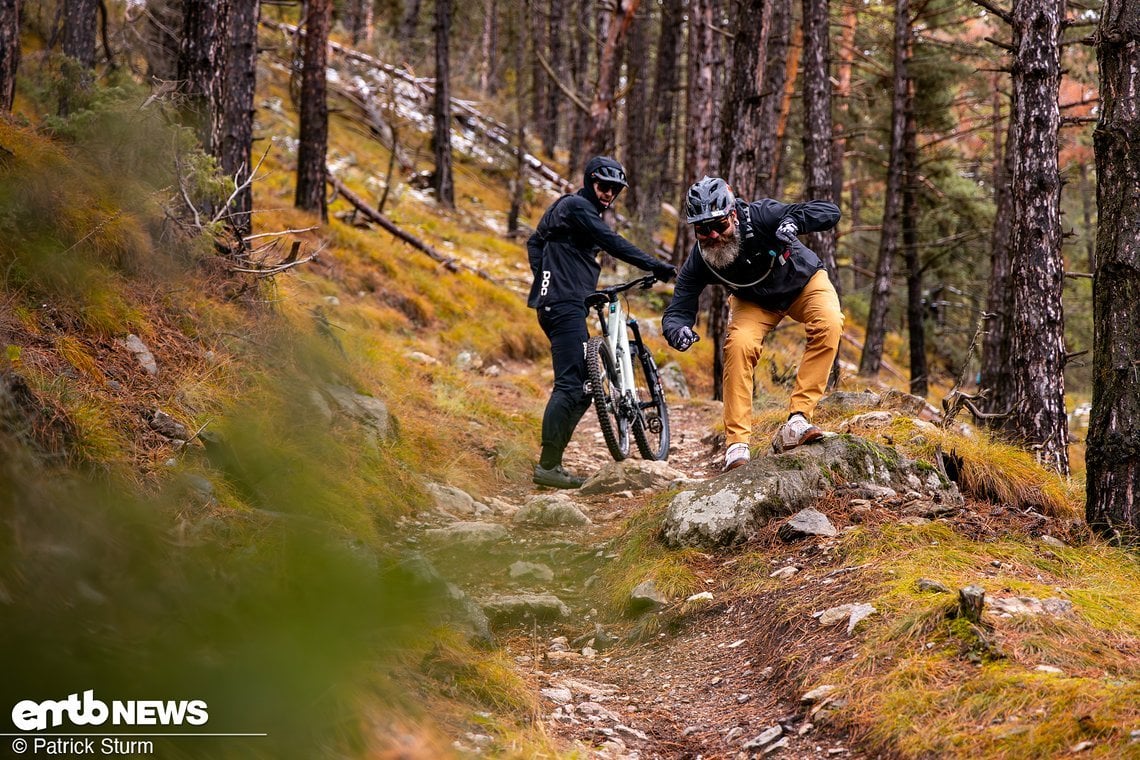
1004 15
247 238
450 263
575 98
956 400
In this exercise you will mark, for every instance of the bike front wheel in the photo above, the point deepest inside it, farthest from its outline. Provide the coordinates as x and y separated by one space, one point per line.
651 428
606 391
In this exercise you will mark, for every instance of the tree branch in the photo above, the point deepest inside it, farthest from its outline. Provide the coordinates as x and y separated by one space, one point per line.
575 98
1004 15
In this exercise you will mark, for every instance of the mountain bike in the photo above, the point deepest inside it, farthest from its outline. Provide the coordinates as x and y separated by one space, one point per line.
624 382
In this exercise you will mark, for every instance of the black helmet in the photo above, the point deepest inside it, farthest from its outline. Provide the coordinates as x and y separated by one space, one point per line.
708 199
605 169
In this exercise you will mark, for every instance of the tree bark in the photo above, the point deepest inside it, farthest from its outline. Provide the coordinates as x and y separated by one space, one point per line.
1112 454
916 327
818 179
700 99
235 134
1037 336
538 77
201 53
579 73
441 107
843 94
409 25
9 51
995 373
740 125
872 358
80 19
314 117
556 35
776 64
489 43
601 137
656 174
638 129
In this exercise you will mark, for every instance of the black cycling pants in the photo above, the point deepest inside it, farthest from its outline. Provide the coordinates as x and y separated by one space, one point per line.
565 325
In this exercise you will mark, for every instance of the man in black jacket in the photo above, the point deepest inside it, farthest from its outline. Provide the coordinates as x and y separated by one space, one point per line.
752 249
563 259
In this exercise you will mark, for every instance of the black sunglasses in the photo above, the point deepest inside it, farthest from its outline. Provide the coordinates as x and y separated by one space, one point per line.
719 226
609 187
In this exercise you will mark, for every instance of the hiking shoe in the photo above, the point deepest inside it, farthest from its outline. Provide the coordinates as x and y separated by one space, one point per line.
796 432
737 455
556 477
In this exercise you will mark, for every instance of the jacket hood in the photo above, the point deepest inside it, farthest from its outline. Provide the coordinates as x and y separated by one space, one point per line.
595 163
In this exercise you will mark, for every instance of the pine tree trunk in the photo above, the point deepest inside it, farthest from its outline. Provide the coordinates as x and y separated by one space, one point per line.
518 184
441 107
916 330
843 94
1113 447
776 64
79 30
818 180
200 54
538 77
1037 339
794 53
740 123
9 51
235 134
556 34
871 360
663 105
489 44
638 128
1089 236
994 375
700 103
409 25
579 73
314 121
601 107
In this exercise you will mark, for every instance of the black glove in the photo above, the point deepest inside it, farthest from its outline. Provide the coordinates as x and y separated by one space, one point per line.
681 338
787 231
664 272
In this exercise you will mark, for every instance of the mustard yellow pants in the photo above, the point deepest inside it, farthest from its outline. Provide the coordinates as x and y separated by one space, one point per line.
817 308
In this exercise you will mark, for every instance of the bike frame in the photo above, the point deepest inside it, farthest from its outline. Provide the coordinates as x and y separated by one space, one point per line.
617 337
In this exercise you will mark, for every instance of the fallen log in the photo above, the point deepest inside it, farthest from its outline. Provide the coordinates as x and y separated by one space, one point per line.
449 262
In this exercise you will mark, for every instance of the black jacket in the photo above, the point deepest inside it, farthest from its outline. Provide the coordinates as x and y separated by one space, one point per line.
563 249
768 272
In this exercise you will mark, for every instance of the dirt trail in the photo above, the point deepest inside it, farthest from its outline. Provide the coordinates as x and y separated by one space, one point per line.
705 690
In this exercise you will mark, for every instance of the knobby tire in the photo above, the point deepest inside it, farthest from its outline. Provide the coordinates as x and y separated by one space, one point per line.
603 387
652 437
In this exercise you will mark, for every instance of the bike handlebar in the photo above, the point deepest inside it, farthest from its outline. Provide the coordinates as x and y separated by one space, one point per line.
612 291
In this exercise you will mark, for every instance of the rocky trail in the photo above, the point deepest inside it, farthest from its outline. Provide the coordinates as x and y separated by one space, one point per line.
527 566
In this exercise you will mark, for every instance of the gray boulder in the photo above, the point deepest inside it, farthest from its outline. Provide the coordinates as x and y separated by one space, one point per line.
631 475
730 509
553 511
513 608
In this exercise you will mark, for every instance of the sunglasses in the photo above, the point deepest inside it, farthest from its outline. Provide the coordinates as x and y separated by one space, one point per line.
609 187
719 226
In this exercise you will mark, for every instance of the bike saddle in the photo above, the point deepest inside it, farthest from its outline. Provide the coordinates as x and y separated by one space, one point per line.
596 299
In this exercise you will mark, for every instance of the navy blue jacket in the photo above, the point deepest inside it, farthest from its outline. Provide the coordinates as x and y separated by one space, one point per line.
768 272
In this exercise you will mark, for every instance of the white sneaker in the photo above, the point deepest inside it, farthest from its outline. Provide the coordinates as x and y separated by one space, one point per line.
736 456
795 432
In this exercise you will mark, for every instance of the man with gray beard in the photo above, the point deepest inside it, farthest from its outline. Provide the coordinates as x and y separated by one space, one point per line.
753 250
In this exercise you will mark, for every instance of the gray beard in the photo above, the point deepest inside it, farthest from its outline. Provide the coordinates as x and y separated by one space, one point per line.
721 253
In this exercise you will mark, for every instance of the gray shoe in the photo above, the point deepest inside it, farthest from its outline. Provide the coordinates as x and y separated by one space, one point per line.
796 432
556 477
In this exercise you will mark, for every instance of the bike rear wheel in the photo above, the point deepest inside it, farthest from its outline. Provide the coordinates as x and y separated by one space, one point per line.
651 428
605 389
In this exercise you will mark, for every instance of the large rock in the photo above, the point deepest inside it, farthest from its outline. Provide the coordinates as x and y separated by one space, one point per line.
550 511
631 475
369 410
730 509
514 608
416 574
